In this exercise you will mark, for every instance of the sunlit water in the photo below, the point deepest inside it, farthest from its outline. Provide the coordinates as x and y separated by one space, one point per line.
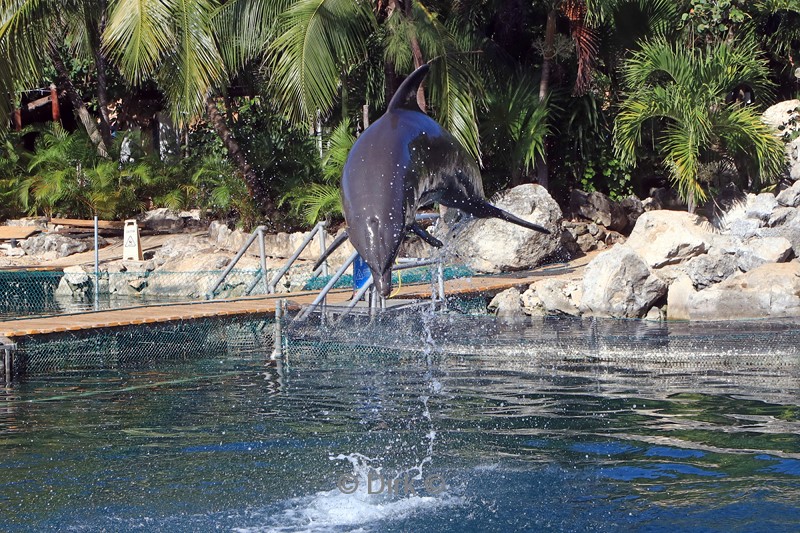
503 436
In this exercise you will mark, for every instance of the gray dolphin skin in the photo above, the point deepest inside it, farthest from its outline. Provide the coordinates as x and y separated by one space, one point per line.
403 161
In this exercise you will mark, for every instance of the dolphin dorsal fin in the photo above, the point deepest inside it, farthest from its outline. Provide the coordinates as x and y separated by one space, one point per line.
406 95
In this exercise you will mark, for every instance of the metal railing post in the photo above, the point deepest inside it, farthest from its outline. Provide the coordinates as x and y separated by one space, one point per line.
263 252
96 265
277 344
277 277
8 362
322 248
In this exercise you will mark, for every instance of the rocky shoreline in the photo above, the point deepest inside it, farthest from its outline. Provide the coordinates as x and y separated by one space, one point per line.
679 266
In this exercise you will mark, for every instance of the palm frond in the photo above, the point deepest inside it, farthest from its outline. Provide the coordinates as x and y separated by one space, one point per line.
315 201
318 39
139 34
339 144
245 28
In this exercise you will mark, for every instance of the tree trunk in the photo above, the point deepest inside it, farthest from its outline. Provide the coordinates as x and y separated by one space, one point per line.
55 111
102 68
345 97
416 51
542 169
77 103
237 156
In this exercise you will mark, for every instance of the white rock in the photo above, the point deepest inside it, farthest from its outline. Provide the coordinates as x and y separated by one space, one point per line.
790 197
667 237
618 284
507 303
559 295
493 245
760 206
759 251
779 115
771 290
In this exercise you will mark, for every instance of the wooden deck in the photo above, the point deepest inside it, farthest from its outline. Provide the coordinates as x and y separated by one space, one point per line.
265 304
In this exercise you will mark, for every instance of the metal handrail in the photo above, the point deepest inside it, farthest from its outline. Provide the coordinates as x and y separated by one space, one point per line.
328 286
259 232
319 228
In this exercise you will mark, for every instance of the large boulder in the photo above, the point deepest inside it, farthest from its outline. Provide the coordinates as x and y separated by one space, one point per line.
784 119
181 246
707 269
598 208
771 290
633 208
506 303
619 284
75 282
553 296
790 230
162 219
790 197
759 251
493 245
229 239
669 237
793 153
760 206
50 246
780 115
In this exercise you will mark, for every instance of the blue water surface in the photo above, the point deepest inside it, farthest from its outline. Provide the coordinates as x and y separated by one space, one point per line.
494 440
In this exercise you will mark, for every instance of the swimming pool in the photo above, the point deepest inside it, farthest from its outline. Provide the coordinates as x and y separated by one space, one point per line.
477 425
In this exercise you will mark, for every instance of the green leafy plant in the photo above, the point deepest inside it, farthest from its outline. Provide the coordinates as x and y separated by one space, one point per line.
682 92
313 201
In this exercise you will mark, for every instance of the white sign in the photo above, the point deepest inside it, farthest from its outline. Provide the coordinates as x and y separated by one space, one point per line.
132 247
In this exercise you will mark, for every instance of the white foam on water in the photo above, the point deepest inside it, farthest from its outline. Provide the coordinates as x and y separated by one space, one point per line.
332 510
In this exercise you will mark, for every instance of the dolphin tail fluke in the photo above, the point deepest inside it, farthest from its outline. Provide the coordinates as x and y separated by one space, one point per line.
483 209
425 236
338 241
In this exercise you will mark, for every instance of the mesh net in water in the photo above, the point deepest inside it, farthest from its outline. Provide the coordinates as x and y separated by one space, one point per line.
143 345
421 331
548 339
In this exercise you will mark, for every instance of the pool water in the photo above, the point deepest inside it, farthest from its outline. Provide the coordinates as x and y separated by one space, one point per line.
347 438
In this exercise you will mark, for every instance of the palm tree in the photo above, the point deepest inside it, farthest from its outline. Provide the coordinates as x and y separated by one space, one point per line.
683 91
319 41
34 34
192 48
515 126
316 200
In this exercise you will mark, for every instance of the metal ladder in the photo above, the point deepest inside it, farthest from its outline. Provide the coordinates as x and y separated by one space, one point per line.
375 301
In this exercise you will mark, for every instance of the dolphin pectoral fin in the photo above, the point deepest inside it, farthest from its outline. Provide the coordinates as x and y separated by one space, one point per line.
425 236
338 241
483 209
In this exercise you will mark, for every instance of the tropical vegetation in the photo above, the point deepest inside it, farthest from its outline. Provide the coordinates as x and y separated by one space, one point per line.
246 108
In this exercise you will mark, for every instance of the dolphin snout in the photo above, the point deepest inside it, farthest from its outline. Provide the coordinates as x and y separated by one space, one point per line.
383 282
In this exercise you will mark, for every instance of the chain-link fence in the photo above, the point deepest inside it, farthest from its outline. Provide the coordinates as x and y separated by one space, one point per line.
547 340
44 293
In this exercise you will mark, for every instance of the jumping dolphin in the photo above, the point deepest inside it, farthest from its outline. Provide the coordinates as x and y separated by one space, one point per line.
403 161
